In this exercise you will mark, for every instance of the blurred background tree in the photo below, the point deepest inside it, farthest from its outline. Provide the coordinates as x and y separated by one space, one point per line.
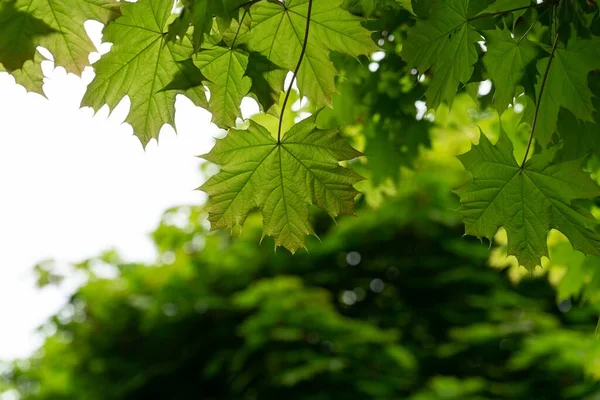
392 305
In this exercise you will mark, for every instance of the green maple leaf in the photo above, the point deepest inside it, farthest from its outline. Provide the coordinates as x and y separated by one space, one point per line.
188 80
200 13
445 43
567 85
528 202
505 62
280 179
67 39
581 138
54 24
572 19
277 31
267 77
30 75
20 32
267 80
224 69
141 64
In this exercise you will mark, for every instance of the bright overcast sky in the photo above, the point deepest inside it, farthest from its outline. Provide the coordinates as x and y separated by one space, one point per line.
73 184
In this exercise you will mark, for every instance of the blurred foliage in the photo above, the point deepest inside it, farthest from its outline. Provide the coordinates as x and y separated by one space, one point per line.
391 305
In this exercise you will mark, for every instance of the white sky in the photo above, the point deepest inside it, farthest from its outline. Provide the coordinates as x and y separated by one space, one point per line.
73 184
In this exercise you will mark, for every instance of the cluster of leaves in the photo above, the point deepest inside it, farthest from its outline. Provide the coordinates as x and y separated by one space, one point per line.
544 55
543 192
361 317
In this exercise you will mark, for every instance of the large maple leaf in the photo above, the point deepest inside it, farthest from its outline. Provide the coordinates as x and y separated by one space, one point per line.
141 64
280 179
527 201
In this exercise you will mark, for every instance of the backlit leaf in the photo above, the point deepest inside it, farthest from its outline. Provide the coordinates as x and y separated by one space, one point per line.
225 69
24 31
280 179
528 202
68 42
141 64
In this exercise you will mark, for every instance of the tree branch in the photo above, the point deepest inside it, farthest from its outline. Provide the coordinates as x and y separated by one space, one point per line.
237 33
302 52
531 26
539 100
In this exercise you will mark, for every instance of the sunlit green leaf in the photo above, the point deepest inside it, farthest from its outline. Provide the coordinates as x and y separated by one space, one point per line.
225 71
140 64
280 179
21 32
69 42
528 202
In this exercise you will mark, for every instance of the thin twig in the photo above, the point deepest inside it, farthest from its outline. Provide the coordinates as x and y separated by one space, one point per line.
302 52
532 25
493 14
239 28
539 100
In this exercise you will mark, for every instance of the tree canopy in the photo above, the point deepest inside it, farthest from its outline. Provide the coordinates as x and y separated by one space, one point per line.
541 58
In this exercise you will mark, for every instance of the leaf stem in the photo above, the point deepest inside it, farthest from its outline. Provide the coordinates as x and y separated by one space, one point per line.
302 52
539 100
531 26
493 14
239 28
